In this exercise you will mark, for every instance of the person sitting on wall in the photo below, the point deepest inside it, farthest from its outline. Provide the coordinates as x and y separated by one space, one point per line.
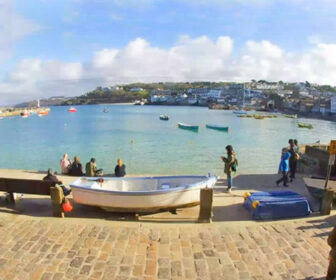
120 169
91 169
76 168
51 177
65 164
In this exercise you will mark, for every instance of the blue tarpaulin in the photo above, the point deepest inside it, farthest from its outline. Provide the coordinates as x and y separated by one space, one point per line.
276 205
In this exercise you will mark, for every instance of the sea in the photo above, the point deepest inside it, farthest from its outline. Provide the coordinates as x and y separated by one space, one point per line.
148 145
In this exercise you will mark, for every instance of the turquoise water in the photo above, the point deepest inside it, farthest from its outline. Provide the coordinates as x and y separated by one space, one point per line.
148 145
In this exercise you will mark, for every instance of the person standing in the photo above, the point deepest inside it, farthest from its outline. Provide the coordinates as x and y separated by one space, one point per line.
65 164
284 167
120 169
293 149
230 165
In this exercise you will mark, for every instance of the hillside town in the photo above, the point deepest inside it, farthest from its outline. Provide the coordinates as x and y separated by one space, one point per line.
298 98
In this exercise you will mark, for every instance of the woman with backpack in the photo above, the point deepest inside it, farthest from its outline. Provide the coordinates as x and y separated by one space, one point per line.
231 164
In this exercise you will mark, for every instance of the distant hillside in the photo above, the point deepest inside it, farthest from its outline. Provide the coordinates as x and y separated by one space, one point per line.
109 95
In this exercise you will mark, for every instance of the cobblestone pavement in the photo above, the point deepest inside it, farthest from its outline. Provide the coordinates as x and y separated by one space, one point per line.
50 248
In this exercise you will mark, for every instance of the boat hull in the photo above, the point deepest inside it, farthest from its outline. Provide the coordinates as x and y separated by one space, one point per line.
217 127
188 127
142 201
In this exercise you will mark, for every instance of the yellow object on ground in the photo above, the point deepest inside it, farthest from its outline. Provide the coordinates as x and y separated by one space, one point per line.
255 204
246 195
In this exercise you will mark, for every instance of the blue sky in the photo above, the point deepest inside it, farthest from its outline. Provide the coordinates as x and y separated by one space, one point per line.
73 31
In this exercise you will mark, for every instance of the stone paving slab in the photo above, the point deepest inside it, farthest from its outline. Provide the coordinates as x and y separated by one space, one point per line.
53 249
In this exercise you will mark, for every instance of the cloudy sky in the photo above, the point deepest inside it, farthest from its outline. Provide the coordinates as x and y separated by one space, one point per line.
68 47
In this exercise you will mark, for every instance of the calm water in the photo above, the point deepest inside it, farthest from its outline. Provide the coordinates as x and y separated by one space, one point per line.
148 145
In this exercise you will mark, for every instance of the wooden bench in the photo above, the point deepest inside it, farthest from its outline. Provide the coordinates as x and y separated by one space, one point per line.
31 186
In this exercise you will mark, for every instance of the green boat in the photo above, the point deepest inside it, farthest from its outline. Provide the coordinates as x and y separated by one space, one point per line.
188 127
305 125
218 127
290 116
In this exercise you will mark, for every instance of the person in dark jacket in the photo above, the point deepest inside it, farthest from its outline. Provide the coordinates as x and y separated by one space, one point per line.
331 274
120 169
76 168
284 167
51 177
230 161
292 159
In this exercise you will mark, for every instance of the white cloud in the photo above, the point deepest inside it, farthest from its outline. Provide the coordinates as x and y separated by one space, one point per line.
190 59
13 28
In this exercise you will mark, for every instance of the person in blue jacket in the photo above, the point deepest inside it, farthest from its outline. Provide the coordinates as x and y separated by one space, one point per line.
284 168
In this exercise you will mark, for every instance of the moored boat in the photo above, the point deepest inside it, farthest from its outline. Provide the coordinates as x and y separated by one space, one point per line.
72 110
305 125
240 112
43 113
164 117
218 127
259 117
188 126
290 116
25 114
142 194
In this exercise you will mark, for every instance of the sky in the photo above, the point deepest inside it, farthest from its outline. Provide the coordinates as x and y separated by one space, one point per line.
69 47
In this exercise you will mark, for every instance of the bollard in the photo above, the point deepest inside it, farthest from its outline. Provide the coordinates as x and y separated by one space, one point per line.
326 202
57 197
206 198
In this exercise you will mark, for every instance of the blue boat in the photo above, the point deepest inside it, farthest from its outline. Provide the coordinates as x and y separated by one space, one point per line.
218 127
188 127
240 112
276 205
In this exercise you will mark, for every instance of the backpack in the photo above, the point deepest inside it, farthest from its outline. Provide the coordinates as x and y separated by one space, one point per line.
234 166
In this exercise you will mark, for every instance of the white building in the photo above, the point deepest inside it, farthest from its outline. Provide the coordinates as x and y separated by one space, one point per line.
333 105
215 93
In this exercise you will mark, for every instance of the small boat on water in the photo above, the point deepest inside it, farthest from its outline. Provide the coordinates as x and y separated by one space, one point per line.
188 126
72 110
305 125
240 112
139 102
259 117
43 113
25 114
218 127
290 116
164 117
142 194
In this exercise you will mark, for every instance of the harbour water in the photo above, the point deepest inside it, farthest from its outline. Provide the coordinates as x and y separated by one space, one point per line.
148 145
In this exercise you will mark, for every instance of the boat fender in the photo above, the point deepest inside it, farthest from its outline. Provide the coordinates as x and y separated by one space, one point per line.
255 204
246 195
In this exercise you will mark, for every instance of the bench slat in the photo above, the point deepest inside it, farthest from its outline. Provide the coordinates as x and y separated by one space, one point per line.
26 186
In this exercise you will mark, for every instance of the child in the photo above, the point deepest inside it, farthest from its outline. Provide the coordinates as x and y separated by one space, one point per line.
284 167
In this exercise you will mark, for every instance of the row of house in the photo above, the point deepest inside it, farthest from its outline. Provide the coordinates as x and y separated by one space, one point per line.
235 94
